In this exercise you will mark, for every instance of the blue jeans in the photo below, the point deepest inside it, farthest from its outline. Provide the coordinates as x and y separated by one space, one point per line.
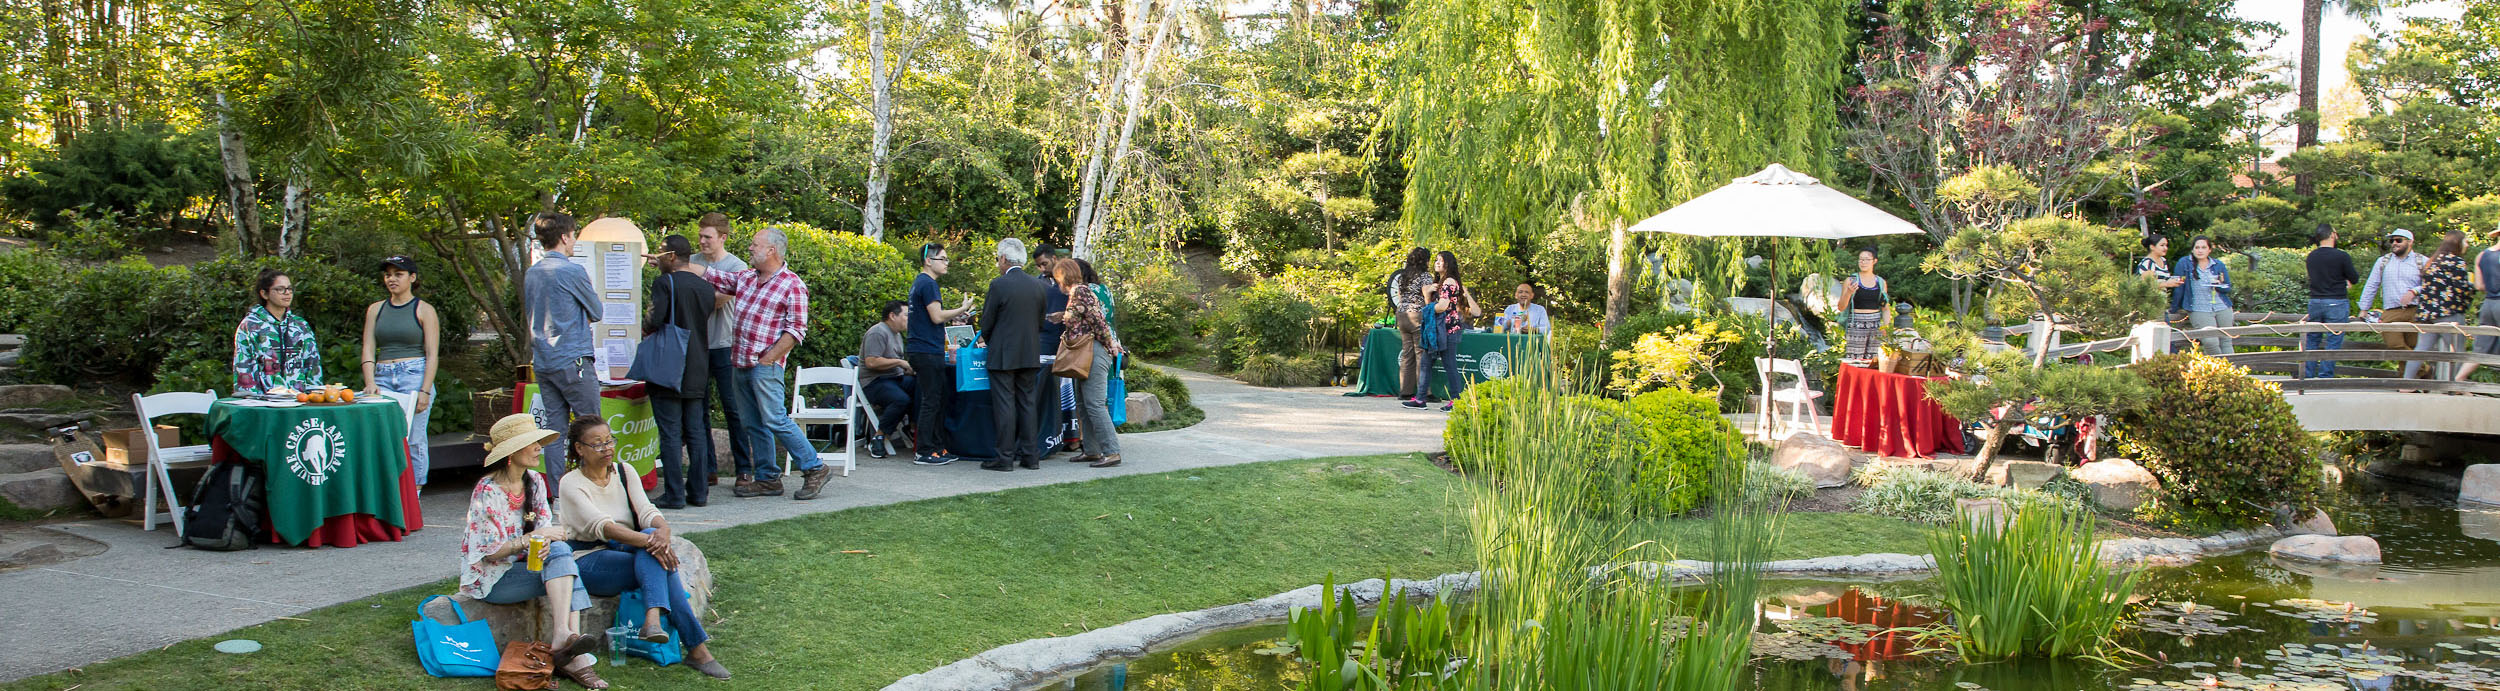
733 409
771 423
1448 359
519 585
2325 311
610 572
564 392
684 425
892 397
406 376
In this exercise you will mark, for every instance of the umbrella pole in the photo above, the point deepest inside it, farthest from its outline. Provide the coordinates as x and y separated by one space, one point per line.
1770 341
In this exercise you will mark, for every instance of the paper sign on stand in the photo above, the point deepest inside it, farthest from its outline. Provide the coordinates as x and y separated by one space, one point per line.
611 249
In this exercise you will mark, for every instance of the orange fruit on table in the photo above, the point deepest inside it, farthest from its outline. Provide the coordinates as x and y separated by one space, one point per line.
306 397
347 396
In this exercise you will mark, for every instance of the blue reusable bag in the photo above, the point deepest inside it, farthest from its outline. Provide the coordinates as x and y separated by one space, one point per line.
661 359
629 612
1116 391
466 649
972 369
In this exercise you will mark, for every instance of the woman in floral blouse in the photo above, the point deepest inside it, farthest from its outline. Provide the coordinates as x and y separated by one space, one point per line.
1086 316
508 507
275 348
2445 295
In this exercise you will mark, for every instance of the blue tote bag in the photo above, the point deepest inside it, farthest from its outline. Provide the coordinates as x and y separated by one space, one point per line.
1116 392
466 649
661 360
629 612
972 369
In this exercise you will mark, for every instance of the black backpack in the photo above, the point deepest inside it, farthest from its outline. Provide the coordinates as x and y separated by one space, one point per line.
226 510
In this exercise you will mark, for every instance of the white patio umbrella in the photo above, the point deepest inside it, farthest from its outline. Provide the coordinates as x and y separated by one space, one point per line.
1776 203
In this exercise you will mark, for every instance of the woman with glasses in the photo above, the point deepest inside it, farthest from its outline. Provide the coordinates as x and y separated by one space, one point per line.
621 543
274 348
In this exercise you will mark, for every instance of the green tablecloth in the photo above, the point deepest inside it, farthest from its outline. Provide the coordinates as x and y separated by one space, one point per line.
1480 355
320 461
628 413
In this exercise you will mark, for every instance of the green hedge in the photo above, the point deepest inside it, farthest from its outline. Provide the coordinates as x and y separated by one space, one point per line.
1264 319
174 327
848 277
29 280
1677 438
1687 440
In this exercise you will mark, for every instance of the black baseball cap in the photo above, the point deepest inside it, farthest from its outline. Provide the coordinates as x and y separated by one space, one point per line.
677 245
400 261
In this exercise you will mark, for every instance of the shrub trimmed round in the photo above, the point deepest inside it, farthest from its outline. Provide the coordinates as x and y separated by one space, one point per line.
1687 442
2239 455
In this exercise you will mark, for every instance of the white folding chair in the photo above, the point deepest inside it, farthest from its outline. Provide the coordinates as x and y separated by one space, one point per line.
1784 408
805 415
161 460
864 414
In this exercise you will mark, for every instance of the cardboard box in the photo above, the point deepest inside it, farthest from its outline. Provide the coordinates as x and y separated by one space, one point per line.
124 448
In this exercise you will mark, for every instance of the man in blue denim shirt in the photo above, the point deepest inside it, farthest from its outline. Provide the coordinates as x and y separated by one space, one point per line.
2330 289
562 305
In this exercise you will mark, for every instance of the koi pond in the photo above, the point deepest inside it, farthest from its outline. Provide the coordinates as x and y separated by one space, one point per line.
2428 618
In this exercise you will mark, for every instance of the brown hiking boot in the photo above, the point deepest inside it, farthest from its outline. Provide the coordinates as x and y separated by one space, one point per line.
758 488
814 483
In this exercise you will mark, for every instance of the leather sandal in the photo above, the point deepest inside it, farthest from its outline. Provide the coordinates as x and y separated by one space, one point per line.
581 644
710 668
586 674
1087 458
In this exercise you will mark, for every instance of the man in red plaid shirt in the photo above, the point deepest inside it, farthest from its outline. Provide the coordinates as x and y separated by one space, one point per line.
771 308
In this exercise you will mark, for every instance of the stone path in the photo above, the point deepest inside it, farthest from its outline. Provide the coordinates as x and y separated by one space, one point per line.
139 596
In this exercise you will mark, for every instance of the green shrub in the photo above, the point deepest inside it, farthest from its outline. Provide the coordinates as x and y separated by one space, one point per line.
1732 369
1347 305
1687 439
1178 412
1152 307
1766 483
92 236
848 277
1278 370
124 320
147 171
1265 319
1478 428
29 280
1927 496
2237 458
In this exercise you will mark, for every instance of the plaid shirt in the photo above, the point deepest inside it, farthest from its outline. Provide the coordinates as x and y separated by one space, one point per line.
765 307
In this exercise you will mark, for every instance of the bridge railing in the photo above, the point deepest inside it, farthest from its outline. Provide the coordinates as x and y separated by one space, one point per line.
2292 336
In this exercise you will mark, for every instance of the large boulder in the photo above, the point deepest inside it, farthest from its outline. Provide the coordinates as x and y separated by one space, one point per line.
2316 524
31 395
2481 484
2479 522
1144 407
528 621
40 490
1990 511
2353 549
2024 474
2118 484
1827 462
26 458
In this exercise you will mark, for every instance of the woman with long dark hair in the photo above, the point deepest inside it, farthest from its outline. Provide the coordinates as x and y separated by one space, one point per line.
400 345
2206 295
1868 298
508 512
2447 292
275 347
1447 312
1406 304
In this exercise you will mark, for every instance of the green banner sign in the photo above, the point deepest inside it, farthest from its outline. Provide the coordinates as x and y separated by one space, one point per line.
637 434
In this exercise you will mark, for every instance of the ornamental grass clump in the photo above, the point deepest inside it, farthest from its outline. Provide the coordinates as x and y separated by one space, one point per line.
2031 586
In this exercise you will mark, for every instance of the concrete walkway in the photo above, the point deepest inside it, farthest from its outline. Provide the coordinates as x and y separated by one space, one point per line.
140 596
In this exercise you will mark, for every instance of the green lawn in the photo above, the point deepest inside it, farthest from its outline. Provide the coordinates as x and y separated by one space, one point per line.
955 576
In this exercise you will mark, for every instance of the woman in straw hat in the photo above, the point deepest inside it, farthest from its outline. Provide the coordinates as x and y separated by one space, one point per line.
508 508
625 544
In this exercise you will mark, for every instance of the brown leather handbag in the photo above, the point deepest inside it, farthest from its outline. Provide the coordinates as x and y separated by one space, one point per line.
1076 357
526 666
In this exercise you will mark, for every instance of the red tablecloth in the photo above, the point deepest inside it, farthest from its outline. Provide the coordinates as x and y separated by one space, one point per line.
345 530
1890 415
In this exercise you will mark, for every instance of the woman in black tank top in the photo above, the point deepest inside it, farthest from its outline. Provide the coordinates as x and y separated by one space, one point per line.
1864 327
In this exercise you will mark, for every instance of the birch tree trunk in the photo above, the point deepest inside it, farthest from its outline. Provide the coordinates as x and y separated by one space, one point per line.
297 211
1094 159
241 195
881 132
1132 107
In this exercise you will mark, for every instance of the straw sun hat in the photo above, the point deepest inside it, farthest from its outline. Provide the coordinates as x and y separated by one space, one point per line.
512 433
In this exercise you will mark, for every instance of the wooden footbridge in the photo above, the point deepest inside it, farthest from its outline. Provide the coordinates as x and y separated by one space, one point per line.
2362 396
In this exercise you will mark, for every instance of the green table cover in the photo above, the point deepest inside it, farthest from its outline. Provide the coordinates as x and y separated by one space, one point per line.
628 413
320 461
1481 356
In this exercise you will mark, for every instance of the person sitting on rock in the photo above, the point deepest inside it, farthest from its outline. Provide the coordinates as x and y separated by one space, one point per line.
623 543
508 508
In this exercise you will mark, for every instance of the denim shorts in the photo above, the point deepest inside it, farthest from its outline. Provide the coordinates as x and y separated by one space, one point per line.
405 376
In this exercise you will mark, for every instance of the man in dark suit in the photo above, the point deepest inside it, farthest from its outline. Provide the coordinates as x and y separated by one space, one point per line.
1051 425
1011 324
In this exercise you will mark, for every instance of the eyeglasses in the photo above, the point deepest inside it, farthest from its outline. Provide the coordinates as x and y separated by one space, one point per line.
609 444
282 289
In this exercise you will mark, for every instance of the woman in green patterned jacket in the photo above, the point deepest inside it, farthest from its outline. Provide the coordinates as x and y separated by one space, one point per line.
275 348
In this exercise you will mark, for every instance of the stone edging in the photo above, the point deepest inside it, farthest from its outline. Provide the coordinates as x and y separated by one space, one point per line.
1031 663
1039 661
